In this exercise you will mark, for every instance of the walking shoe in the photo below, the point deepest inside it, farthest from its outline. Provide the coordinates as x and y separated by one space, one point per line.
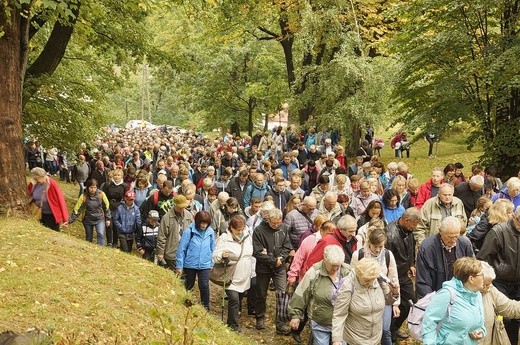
260 324
283 330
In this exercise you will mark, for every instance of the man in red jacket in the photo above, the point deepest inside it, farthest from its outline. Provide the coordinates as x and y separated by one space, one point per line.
344 236
430 188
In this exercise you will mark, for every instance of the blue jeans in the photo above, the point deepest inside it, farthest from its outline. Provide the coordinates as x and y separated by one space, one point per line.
319 336
386 338
203 280
100 229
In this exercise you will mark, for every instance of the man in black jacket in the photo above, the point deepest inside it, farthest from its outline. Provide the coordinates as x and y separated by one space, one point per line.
401 243
271 247
500 250
237 185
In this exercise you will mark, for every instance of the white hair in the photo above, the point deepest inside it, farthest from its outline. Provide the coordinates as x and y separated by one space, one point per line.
334 255
488 271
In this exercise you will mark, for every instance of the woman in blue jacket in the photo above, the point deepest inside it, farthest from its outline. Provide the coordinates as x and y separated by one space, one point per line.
465 322
194 256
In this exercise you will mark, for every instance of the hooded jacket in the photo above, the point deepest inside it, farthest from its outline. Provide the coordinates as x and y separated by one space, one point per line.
196 248
466 315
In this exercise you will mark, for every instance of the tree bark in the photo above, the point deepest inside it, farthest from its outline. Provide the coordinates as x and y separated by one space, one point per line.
13 196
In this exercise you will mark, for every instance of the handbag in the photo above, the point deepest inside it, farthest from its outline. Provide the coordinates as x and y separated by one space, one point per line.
36 210
222 274
499 335
282 306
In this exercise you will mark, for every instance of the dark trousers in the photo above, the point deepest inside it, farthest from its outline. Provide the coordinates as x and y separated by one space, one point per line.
49 221
262 283
407 296
203 280
149 254
234 298
251 297
512 291
430 147
126 242
111 233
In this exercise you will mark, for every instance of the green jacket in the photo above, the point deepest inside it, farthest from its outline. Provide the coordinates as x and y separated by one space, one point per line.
315 292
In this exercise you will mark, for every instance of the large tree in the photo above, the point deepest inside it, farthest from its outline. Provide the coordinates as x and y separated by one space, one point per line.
461 62
34 37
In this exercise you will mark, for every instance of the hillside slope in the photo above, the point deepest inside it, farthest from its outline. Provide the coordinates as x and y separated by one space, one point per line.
84 293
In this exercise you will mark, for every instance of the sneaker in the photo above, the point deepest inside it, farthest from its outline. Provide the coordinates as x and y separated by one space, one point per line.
283 330
260 324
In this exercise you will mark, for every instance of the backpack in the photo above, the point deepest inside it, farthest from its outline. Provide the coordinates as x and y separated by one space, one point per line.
416 315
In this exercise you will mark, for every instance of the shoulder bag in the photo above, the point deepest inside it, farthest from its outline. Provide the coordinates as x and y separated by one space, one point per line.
222 273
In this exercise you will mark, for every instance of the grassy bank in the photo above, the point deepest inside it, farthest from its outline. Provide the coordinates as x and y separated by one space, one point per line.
84 293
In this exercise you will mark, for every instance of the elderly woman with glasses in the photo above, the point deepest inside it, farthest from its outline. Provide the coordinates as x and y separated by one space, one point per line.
495 303
465 324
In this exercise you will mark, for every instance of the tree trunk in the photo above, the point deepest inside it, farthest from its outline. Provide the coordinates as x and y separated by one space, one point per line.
13 196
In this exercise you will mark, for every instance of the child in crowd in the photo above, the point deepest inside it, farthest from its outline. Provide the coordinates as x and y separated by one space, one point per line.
146 239
483 204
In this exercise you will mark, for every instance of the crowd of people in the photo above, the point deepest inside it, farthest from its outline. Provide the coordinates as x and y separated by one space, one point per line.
287 211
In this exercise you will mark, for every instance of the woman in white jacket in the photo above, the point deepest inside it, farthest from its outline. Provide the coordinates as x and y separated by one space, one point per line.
229 246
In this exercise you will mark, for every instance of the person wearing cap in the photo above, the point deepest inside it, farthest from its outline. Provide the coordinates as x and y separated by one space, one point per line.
469 192
146 238
127 221
47 195
172 225
93 208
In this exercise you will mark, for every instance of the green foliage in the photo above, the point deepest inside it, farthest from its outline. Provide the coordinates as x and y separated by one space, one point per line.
109 40
460 62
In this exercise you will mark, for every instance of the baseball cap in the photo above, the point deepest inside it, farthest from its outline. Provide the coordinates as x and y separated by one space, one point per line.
180 201
130 195
153 214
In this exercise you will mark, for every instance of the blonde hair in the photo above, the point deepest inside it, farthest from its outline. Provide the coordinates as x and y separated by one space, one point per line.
341 178
499 211
466 267
367 268
399 178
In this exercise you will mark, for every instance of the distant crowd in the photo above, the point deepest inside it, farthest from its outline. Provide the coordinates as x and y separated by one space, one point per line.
348 244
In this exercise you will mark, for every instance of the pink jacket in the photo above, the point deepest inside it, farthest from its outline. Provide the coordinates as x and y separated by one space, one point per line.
301 255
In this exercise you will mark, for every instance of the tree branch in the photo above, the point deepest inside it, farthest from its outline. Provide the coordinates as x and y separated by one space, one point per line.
52 53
